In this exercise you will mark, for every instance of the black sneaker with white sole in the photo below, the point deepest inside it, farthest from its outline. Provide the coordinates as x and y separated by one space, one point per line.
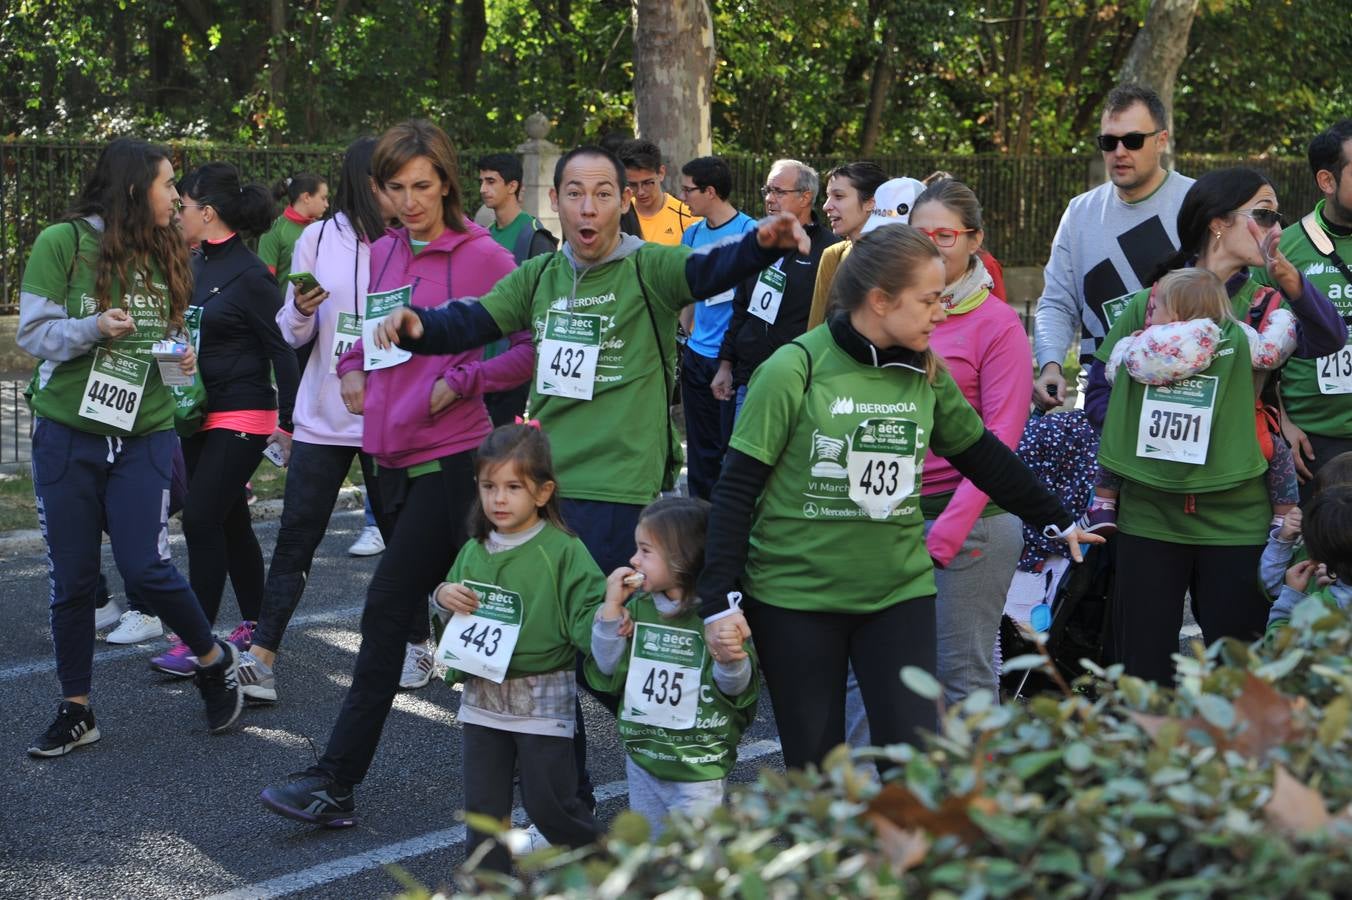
312 796
74 727
219 686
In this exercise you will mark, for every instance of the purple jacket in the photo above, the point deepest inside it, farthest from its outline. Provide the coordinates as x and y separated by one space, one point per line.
399 428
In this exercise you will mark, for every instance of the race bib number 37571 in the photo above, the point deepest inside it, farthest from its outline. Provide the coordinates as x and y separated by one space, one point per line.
1176 420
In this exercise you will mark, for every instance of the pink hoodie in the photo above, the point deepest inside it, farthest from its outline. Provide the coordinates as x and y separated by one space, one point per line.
987 352
399 429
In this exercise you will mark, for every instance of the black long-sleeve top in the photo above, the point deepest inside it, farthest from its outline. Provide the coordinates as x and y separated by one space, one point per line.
240 345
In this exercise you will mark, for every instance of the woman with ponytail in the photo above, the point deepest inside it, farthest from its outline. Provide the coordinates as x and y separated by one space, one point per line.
307 199
101 288
241 353
816 535
1194 511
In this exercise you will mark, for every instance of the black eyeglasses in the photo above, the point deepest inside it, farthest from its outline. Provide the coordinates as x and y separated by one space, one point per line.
1132 140
1263 217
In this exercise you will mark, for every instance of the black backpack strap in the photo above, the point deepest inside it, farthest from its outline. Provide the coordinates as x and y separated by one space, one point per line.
666 378
807 382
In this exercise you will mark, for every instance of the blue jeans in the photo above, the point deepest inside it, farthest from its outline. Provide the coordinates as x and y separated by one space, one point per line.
86 484
741 398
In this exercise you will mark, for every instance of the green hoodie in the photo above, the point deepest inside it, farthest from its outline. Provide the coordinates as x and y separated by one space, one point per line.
613 447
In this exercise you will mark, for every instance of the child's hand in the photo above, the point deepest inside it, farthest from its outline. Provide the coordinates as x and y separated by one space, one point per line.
1322 576
730 637
626 629
1290 529
617 591
457 598
1298 576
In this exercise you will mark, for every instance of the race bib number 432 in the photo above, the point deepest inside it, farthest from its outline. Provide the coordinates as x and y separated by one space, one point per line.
112 393
565 361
1176 420
482 643
662 688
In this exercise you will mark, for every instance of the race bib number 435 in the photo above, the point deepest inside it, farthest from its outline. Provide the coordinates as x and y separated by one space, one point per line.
1176 420
482 643
662 687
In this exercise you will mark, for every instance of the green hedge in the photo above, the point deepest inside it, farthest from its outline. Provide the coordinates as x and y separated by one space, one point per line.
1235 784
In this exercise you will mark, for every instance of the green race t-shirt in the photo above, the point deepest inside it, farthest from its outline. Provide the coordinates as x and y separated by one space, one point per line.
1221 501
276 245
60 388
506 237
1317 393
706 752
612 447
559 587
856 438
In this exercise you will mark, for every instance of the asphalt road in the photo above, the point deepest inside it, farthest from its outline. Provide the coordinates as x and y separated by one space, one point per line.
159 808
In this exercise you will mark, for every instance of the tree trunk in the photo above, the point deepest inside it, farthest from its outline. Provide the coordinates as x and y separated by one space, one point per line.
277 65
1159 47
442 60
880 86
473 31
673 78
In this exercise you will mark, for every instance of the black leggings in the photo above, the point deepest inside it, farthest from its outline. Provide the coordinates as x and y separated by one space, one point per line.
804 657
428 532
1152 577
216 522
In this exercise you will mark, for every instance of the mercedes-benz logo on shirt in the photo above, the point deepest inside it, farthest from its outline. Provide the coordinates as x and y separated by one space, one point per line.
810 510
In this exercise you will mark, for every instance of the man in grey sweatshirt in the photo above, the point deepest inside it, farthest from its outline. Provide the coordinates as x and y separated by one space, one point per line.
1110 238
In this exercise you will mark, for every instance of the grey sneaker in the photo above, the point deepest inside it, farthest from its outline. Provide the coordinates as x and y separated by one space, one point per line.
256 679
417 667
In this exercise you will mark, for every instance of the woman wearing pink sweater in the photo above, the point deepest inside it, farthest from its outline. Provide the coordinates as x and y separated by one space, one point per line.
975 544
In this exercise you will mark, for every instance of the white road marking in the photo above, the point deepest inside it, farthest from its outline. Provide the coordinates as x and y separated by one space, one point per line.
49 665
333 870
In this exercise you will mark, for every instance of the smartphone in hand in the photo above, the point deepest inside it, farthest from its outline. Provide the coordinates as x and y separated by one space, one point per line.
304 281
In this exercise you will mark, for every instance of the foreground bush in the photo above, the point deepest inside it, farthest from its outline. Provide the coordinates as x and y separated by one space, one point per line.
1235 784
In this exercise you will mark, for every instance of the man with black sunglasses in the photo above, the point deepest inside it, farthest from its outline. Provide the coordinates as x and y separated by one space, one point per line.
1316 394
1110 238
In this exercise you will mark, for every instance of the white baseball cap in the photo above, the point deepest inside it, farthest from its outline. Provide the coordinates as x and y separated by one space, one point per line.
892 203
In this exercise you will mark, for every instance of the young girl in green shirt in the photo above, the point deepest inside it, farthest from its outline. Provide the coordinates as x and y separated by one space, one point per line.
682 713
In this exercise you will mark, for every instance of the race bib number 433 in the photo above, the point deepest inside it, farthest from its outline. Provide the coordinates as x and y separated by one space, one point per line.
881 465
662 687
482 643
1176 420
112 393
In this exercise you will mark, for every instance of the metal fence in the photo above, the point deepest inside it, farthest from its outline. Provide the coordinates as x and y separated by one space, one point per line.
1023 197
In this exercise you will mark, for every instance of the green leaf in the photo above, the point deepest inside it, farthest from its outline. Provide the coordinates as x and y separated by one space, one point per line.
1079 756
1022 663
921 682
1026 765
1216 710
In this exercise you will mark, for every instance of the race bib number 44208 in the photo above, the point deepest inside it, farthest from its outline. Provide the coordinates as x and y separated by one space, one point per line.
662 688
482 643
113 391
1176 420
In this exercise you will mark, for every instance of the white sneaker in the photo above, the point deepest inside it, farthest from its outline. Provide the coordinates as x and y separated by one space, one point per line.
134 627
107 615
417 667
368 543
523 841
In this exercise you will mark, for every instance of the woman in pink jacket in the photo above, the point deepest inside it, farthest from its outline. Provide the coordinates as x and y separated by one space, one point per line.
423 417
974 544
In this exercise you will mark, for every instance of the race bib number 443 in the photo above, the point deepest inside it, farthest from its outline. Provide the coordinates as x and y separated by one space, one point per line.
113 391
662 688
482 643
1176 420
565 361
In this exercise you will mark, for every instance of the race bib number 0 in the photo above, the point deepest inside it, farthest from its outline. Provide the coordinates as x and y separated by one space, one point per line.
881 465
1335 372
1176 420
378 308
482 643
565 362
112 393
768 295
345 334
663 685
